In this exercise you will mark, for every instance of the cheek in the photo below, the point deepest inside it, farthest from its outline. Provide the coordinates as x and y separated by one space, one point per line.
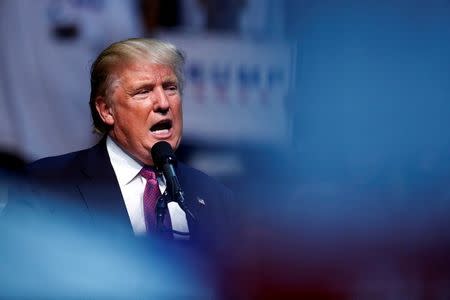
178 110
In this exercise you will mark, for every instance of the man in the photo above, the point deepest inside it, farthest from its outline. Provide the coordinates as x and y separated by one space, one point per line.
135 102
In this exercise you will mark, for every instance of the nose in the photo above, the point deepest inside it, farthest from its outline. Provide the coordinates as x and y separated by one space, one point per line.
161 102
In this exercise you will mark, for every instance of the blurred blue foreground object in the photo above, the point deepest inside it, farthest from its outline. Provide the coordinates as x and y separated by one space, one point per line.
53 259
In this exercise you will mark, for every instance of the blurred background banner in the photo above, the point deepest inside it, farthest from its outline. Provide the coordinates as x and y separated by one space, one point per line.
236 89
233 71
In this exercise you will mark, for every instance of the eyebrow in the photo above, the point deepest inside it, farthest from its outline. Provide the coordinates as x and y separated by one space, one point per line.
150 84
170 79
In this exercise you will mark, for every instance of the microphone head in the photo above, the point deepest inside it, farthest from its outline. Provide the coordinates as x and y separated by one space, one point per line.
162 153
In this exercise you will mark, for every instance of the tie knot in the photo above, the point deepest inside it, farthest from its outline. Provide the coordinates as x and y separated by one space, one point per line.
148 173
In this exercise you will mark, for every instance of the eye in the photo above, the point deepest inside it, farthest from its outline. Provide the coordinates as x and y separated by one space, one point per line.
171 88
143 92
170 85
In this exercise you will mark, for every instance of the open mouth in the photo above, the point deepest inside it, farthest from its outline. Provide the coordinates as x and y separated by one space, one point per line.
161 127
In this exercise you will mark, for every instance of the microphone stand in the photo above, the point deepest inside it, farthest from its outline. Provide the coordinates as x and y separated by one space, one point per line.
161 208
178 196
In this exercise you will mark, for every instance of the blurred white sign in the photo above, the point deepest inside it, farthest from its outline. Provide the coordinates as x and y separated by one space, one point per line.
235 89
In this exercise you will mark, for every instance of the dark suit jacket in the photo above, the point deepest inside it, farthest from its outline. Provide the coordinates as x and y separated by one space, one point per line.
83 185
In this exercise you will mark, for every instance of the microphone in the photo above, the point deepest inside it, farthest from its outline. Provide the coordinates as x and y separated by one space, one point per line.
164 160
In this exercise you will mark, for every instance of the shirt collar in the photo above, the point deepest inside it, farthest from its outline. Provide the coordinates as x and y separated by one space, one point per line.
125 167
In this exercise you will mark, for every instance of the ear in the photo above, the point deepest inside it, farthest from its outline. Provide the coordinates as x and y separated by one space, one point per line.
104 110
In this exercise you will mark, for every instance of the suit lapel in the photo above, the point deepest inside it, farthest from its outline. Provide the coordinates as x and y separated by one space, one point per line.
100 189
194 201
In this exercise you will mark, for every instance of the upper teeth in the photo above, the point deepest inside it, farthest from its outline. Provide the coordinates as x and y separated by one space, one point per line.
161 131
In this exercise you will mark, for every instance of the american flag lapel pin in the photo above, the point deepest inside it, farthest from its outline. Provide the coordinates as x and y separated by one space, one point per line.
201 201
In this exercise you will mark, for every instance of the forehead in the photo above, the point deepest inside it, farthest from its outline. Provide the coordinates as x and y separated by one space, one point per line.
142 70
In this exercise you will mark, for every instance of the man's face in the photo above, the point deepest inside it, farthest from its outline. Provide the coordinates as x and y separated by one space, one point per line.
144 107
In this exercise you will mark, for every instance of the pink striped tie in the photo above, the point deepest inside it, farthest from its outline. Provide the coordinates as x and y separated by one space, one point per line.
151 196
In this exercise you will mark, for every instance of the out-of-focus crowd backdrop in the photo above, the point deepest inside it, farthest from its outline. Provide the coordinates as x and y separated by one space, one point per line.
329 119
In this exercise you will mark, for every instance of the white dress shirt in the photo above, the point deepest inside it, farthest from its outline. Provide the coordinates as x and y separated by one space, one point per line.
132 186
